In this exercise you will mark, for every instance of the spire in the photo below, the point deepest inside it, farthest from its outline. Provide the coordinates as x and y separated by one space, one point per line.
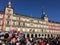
43 8
44 16
43 11
9 3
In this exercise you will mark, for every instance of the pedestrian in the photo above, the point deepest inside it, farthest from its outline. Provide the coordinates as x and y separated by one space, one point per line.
12 41
42 42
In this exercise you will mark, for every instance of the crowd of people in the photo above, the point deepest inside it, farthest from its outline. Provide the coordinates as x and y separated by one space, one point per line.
17 38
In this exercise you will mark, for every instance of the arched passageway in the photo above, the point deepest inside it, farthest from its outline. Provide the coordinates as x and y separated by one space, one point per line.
48 35
51 35
28 35
39 35
36 35
42 35
32 35
45 34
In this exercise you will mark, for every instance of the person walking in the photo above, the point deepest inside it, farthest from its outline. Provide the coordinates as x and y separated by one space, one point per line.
12 41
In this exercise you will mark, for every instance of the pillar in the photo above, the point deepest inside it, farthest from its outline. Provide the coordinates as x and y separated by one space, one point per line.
34 35
25 35
37 35
30 35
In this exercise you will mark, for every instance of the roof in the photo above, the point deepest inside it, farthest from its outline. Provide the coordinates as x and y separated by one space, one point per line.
16 14
9 7
54 22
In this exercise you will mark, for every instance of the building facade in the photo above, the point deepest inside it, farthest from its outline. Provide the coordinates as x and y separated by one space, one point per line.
32 27
54 27
1 20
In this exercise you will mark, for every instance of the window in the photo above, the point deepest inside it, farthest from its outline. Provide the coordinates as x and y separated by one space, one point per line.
23 23
35 25
28 30
23 29
1 16
22 19
0 27
36 21
8 22
19 18
7 29
0 22
19 23
9 11
13 23
31 20
35 30
8 16
27 24
14 18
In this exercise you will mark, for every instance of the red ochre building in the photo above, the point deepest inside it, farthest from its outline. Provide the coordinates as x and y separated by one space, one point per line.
32 27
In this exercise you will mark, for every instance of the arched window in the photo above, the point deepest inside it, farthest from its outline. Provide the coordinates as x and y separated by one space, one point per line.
28 35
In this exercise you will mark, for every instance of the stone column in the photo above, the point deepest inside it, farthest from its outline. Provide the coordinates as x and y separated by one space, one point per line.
40 35
44 35
37 35
25 35
30 35
49 35
34 35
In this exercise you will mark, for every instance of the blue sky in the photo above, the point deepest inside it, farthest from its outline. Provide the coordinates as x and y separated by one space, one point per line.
34 8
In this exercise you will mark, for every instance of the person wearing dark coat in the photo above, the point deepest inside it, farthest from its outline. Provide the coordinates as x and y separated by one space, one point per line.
12 42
